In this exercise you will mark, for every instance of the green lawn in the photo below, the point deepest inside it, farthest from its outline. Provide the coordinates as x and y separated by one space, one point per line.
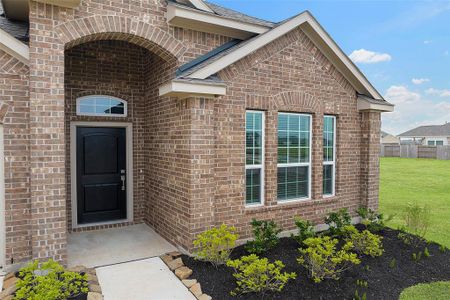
436 291
425 181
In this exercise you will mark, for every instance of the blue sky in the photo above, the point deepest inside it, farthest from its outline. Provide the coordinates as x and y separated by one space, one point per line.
403 47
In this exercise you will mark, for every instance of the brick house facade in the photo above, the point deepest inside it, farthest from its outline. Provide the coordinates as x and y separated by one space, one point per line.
188 71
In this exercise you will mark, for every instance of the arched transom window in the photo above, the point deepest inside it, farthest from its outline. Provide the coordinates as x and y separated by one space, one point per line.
101 105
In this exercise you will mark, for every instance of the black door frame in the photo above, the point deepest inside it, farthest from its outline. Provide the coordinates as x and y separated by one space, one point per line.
73 169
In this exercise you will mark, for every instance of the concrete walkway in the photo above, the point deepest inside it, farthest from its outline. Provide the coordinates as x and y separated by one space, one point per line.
115 245
148 279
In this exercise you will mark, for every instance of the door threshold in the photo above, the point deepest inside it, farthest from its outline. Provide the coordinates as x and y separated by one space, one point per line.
115 222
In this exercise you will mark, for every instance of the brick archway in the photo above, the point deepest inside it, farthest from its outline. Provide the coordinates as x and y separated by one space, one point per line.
94 28
295 100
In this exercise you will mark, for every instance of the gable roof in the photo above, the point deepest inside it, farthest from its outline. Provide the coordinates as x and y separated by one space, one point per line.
314 31
428 131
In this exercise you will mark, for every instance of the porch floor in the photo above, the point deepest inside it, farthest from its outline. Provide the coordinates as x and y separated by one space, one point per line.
115 245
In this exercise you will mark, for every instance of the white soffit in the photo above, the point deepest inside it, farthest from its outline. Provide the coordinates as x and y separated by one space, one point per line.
186 17
181 88
316 33
14 47
364 105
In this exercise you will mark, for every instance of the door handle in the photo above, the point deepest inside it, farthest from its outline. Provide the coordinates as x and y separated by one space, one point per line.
122 177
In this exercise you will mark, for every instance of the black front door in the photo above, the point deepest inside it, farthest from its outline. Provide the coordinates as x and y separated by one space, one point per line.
101 174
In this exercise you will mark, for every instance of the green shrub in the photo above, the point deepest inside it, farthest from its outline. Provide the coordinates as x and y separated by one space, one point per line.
417 219
393 263
373 221
215 245
254 274
367 243
426 252
305 230
49 281
265 236
337 221
323 260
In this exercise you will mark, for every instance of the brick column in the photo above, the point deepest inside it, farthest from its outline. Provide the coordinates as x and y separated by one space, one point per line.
317 156
47 166
201 164
370 162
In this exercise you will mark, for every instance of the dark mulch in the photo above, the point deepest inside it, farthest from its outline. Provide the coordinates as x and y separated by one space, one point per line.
384 282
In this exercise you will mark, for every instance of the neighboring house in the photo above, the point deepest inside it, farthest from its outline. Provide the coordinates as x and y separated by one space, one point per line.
389 139
433 135
179 114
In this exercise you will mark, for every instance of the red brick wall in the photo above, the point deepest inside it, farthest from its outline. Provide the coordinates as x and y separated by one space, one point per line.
14 95
191 151
288 75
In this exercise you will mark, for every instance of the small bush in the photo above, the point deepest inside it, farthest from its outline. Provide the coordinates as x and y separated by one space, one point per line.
49 281
323 260
417 219
265 236
305 230
426 252
393 263
366 243
337 221
373 221
254 274
215 245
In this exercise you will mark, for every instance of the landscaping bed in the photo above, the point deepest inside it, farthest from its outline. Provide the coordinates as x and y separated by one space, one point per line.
386 276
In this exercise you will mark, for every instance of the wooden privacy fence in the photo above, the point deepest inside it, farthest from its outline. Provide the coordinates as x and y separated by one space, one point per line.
416 151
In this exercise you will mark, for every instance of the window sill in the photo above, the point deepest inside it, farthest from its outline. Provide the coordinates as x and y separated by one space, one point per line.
287 202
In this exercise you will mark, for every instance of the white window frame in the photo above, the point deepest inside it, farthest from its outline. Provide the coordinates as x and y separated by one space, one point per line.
80 99
260 166
434 141
299 164
333 162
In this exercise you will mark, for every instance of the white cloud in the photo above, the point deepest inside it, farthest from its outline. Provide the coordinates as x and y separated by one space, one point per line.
368 57
446 53
436 92
412 109
420 80
426 42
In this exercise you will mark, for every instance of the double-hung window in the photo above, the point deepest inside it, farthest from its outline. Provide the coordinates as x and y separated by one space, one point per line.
329 155
435 142
294 157
254 160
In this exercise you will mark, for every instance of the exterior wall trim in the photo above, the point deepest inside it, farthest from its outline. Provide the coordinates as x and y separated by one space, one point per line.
365 105
187 89
14 47
73 169
206 22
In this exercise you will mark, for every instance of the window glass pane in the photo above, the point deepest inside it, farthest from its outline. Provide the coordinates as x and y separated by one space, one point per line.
328 179
293 136
430 143
292 183
328 138
253 186
254 139
439 143
101 106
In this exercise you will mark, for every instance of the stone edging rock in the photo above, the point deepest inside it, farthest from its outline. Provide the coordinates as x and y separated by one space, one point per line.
95 291
175 264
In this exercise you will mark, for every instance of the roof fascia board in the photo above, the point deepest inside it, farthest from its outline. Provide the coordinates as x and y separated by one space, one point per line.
197 20
184 89
365 105
201 5
316 33
63 3
14 47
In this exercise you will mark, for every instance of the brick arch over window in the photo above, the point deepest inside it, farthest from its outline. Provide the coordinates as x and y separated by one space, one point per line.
295 101
95 28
